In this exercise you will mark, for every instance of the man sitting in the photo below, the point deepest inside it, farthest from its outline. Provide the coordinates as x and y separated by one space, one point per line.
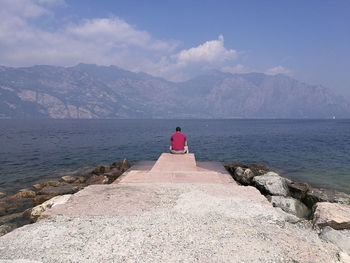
178 142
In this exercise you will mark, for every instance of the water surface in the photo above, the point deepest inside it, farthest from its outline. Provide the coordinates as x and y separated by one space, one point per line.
317 151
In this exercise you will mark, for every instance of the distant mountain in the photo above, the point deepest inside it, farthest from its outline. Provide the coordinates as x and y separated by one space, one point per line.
91 91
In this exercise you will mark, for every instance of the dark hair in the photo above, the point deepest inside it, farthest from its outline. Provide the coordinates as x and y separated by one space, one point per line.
178 129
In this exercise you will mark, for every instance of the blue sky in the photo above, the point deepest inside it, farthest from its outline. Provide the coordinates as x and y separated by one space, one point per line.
308 40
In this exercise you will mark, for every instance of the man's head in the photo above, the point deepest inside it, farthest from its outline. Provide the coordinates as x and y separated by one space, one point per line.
178 129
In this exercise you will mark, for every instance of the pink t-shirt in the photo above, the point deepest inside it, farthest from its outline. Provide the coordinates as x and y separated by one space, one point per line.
178 140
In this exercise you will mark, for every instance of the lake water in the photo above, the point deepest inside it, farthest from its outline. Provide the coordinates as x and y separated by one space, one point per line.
316 151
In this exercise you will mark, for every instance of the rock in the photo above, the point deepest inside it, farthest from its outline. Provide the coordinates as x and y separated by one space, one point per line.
259 169
121 165
6 228
334 215
98 179
271 183
37 211
39 186
9 205
239 171
343 257
2 194
291 205
244 177
59 190
69 179
9 218
101 169
125 165
336 237
248 176
113 174
298 190
53 183
24 193
81 179
315 195
39 199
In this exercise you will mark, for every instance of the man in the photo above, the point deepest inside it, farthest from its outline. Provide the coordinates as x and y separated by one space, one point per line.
178 142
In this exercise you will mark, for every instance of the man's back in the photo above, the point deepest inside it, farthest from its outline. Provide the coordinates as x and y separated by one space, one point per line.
178 141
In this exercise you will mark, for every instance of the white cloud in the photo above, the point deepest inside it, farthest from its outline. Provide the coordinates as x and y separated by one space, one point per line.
279 70
104 41
235 69
209 52
115 32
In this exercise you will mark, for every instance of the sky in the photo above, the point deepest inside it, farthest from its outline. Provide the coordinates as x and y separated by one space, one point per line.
177 40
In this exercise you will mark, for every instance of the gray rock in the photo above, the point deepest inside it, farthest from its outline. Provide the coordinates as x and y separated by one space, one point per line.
291 205
334 215
2 194
271 183
239 171
248 176
243 176
343 257
315 195
337 237
298 190
37 211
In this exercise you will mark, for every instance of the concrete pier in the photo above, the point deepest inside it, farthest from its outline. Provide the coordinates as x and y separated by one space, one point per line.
171 168
171 210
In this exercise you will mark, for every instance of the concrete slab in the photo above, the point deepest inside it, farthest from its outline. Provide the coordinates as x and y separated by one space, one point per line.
175 163
172 168
166 222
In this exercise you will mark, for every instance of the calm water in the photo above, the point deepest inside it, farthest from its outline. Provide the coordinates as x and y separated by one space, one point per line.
317 151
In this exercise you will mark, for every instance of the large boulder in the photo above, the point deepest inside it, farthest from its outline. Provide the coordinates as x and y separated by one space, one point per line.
272 184
334 215
341 238
315 195
291 205
37 211
298 190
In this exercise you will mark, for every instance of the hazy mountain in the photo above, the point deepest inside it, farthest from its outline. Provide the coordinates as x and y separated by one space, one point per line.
90 91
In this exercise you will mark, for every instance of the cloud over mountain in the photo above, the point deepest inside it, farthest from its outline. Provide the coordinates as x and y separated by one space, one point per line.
104 41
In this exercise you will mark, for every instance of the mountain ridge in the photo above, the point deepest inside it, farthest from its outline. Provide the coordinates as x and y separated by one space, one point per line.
92 91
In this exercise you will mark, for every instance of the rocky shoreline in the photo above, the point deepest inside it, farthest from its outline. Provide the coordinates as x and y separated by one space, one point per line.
22 207
327 210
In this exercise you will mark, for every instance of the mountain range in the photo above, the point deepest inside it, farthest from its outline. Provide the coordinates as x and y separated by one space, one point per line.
91 91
